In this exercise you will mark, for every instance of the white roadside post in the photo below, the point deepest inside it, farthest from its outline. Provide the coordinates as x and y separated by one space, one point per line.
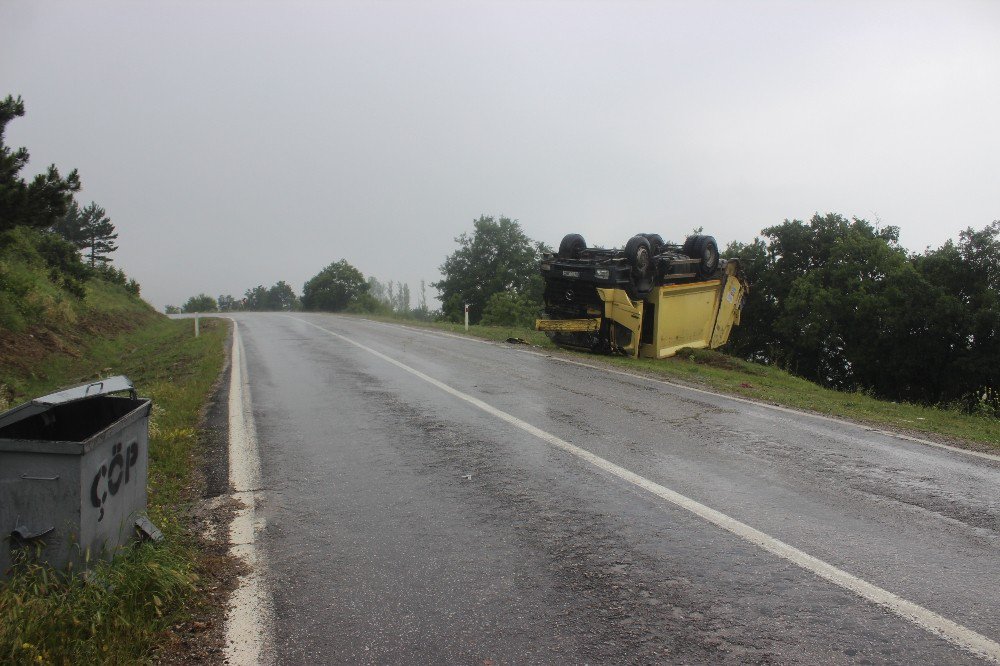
196 315
467 316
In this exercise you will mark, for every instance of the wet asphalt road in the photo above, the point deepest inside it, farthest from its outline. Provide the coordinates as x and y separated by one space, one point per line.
404 525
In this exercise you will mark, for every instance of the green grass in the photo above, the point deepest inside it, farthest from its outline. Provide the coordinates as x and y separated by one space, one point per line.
117 613
108 299
772 385
726 374
34 293
498 333
27 296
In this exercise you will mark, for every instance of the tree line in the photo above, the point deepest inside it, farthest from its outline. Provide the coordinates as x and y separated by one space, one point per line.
338 287
840 302
42 217
279 296
494 271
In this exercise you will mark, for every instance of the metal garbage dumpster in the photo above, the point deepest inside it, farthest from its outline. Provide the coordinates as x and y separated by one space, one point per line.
73 473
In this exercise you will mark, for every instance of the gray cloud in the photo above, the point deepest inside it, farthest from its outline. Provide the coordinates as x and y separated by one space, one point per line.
243 143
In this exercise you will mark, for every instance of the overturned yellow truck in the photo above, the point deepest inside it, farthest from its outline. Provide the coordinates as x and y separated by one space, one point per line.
648 299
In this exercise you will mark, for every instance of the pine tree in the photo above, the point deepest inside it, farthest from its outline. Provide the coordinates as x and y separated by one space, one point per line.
70 227
99 234
39 203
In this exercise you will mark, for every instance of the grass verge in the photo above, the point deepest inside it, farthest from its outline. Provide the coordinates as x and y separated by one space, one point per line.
117 612
727 374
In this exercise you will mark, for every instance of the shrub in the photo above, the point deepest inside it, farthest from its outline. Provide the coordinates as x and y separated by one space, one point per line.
509 309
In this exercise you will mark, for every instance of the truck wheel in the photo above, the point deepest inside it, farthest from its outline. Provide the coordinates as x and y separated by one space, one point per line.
706 249
571 246
639 254
656 243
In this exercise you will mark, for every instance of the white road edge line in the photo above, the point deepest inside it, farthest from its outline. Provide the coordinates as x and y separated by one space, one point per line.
249 617
665 382
956 634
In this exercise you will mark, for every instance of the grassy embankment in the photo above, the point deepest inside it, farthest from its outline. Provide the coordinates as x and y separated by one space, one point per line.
118 613
726 374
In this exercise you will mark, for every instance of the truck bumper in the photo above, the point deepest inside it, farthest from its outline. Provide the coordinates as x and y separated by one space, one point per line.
568 325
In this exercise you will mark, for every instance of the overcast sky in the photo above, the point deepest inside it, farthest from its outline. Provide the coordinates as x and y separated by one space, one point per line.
236 144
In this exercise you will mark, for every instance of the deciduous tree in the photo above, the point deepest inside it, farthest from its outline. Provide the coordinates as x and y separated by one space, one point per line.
497 257
841 303
334 287
200 303
227 303
508 309
255 300
281 297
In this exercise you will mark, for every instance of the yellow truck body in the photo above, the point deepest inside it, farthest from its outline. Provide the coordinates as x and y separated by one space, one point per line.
668 318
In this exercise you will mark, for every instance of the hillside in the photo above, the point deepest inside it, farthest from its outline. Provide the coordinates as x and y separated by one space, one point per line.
45 311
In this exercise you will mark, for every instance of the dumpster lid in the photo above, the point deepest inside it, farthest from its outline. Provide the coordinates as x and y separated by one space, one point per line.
83 391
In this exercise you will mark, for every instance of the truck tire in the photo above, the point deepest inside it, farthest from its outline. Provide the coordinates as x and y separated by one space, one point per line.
571 246
656 243
639 254
706 249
